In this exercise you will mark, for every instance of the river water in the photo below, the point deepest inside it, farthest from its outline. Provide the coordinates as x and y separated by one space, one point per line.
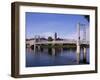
66 57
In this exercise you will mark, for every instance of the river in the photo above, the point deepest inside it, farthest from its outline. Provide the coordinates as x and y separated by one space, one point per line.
66 57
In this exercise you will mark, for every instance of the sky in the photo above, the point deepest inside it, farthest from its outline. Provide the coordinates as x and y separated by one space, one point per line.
46 24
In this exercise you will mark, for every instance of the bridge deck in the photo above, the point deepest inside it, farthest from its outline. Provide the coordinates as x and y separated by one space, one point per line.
61 42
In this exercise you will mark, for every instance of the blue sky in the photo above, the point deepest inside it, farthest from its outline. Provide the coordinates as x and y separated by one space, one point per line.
46 24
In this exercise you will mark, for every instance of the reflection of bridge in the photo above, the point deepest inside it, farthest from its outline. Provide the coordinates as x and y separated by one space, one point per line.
36 42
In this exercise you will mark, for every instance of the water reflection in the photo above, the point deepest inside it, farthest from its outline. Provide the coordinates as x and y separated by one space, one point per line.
45 57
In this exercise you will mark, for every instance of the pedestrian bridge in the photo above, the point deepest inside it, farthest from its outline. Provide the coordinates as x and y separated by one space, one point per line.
33 42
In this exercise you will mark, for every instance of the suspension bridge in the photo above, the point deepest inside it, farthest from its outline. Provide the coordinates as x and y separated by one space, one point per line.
36 42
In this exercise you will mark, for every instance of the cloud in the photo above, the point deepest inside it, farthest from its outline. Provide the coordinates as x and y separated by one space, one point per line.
72 35
47 34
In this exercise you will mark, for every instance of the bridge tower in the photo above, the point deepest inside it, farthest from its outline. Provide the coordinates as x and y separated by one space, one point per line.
78 43
84 49
84 40
84 33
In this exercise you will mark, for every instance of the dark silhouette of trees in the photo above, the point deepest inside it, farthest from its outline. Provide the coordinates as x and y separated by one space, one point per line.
87 17
50 38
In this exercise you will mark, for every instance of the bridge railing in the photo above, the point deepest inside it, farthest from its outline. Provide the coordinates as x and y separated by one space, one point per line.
62 42
56 42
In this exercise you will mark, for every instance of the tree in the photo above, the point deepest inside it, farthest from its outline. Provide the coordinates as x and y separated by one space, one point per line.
87 17
50 38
